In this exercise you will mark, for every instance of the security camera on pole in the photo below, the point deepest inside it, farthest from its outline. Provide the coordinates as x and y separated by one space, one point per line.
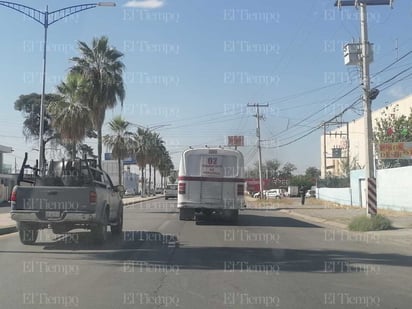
361 54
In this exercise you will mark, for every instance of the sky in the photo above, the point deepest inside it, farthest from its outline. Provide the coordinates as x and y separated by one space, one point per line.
193 67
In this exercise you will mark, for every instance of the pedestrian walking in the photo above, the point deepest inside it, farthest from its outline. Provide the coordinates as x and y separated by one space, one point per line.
302 194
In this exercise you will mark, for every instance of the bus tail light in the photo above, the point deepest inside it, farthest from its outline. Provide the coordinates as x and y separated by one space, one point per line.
182 188
240 189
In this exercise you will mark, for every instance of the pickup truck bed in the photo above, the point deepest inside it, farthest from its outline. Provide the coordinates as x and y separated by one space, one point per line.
93 204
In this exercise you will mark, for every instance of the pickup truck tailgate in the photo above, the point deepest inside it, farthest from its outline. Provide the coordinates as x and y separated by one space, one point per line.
53 199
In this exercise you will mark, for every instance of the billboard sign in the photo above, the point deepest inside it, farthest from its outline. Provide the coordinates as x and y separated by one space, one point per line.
400 150
236 140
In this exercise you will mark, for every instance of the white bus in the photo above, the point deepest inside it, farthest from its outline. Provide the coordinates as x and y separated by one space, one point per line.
211 181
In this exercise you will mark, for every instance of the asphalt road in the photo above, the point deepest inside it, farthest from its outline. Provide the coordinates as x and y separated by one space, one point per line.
4 207
267 260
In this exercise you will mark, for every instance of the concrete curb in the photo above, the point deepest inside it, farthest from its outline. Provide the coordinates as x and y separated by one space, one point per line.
303 216
127 203
316 219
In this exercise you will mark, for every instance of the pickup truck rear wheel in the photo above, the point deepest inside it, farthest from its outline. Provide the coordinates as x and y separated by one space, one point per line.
118 228
27 234
99 231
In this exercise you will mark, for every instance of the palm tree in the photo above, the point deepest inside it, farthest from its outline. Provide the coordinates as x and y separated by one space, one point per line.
70 114
141 150
155 143
119 141
156 154
100 64
165 166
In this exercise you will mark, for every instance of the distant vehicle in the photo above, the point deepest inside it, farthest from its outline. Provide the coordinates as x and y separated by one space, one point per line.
72 194
257 194
211 182
159 190
311 193
293 191
171 191
274 193
129 192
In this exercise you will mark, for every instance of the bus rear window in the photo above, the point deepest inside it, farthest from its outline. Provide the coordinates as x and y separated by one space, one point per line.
212 165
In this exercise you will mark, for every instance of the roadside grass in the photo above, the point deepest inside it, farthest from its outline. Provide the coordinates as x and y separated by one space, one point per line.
373 223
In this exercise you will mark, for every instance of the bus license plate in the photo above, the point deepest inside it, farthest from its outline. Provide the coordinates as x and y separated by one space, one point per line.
52 214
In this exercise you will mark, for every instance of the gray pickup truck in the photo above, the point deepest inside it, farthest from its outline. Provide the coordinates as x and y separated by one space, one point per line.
70 195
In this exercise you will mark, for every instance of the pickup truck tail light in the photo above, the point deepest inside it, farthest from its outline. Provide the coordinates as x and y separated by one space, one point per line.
240 189
13 196
92 197
182 188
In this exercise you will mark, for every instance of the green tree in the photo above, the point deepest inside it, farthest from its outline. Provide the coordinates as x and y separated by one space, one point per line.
100 64
29 106
287 170
165 166
141 152
86 150
70 114
253 172
119 141
302 181
312 172
271 168
157 151
346 166
392 129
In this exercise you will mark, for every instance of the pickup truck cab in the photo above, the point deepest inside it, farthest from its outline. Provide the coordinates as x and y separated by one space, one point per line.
71 195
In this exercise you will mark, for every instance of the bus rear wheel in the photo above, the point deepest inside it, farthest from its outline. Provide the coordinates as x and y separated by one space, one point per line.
232 215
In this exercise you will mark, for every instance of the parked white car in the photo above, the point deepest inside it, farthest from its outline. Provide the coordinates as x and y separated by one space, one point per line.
130 191
311 193
257 194
274 193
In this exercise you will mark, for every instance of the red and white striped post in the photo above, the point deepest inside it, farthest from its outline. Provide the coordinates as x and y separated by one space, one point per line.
372 208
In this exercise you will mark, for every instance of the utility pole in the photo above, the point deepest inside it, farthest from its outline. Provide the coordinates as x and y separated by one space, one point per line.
258 117
368 95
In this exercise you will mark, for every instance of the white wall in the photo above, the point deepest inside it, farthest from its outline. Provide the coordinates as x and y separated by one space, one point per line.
394 189
337 195
4 193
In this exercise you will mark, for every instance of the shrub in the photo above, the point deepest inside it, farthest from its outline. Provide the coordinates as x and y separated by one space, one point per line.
373 223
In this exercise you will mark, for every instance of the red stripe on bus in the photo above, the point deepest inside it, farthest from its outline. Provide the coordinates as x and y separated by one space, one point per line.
215 179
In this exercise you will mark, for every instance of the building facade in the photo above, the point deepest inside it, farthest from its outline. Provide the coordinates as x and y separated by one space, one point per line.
4 149
346 143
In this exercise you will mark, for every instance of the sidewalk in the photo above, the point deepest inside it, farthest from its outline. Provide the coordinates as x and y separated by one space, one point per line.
7 225
337 216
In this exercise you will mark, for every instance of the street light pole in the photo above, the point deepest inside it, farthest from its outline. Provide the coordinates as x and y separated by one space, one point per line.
47 18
